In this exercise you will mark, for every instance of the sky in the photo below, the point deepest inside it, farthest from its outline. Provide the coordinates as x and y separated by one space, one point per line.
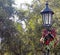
18 2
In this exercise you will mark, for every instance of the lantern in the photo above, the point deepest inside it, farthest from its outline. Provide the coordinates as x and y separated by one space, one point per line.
47 14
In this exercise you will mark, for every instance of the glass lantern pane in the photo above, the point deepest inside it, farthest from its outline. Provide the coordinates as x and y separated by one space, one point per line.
0 42
46 19
50 18
43 18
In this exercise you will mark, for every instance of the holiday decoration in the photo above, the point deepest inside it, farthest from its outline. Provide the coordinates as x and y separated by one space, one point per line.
48 36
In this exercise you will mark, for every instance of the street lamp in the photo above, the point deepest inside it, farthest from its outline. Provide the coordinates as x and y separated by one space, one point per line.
47 14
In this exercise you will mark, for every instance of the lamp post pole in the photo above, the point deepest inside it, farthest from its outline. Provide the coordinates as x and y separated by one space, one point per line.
47 14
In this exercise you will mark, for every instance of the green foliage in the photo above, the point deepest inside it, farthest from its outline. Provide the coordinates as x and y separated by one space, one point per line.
25 41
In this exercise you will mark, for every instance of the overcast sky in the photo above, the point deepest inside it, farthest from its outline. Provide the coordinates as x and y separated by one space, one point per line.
18 2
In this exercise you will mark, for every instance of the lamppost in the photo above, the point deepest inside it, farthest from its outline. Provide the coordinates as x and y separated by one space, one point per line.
47 15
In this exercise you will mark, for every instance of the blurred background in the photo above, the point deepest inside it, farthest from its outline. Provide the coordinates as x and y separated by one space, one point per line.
21 26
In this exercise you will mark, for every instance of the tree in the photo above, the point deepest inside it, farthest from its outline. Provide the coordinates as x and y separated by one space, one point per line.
24 41
6 8
8 30
34 22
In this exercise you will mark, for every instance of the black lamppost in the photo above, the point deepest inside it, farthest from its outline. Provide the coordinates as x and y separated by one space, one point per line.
47 14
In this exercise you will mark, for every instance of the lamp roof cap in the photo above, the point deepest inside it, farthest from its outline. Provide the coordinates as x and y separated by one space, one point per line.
47 9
